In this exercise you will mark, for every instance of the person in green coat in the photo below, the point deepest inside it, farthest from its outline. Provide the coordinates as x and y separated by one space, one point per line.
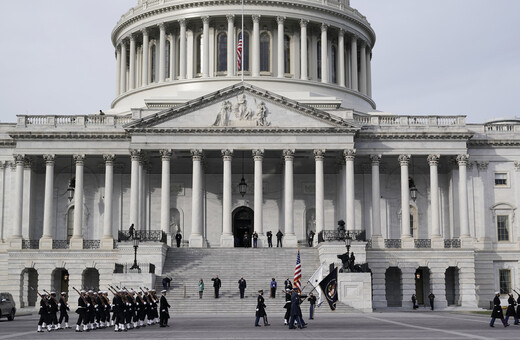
201 288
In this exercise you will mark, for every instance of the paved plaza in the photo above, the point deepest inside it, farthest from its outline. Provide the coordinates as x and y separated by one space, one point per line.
387 325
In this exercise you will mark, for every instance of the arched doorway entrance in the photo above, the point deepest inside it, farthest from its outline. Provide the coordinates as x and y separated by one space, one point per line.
60 280
29 286
422 284
393 287
452 286
243 219
91 279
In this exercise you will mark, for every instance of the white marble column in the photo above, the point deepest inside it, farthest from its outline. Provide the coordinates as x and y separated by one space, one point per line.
226 239
462 161
435 233
182 49
118 71
341 61
162 52
258 156
349 155
377 241
146 54
132 73
290 238
319 155
353 63
324 54
205 46
48 203
369 73
363 73
196 238
230 45
107 242
123 68
281 57
303 44
256 46
135 156
166 155
405 199
76 242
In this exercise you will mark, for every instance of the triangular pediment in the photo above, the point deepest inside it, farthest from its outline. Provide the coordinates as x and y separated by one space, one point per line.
241 107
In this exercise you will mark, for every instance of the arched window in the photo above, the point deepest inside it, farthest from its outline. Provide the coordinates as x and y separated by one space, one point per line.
333 64
153 63
286 54
167 73
198 55
245 51
318 63
265 52
222 52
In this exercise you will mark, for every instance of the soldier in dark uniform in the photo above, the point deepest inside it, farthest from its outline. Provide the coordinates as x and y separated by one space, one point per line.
287 284
497 311
216 285
295 310
118 310
260 309
155 307
44 313
64 310
242 286
91 310
511 309
164 305
141 309
270 239
82 312
53 316
287 306
178 238
279 236
106 309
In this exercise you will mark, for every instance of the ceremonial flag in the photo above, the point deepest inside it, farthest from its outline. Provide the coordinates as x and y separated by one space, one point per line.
329 287
298 273
315 280
239 52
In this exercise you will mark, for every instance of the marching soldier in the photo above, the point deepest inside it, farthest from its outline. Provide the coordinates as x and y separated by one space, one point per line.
44 312
82 312
497 311
53 316
155 301
511 309
64 310
165 315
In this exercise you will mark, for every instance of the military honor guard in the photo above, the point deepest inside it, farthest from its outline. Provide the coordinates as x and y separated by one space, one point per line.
497 311
64 307
511 310
44 312
260 309
163 306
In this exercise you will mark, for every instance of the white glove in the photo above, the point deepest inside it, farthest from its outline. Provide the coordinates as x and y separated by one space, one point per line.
59 305
88 304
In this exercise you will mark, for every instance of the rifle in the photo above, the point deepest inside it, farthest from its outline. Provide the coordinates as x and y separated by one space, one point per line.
82 297
147 296
41 297
51 296
516 292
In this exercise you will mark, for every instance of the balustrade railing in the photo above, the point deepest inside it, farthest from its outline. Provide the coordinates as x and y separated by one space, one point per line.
143 235
30 244
91 244
78 120
386 120
423 243
452 243
393 243
60 244
337 235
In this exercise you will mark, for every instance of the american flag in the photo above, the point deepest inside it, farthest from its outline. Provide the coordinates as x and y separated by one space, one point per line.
298 272
239 52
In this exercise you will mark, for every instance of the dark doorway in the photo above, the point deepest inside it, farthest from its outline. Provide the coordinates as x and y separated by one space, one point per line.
91 279
452 286
29 287
60 280
393 284
242 223
422 284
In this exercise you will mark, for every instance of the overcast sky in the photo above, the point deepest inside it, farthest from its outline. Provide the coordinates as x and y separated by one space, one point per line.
442 57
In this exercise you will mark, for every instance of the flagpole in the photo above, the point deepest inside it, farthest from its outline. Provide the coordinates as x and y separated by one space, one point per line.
243 39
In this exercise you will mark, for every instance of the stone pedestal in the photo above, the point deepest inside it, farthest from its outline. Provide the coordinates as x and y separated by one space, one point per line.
378 242
46 243
407 242
196 241
106 243
226 241
15 243
355 290
76 243
437 242
290 241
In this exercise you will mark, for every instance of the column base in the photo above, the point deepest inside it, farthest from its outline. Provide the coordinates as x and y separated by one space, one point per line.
226 241
196 241
262 241
290 241
15 243
407 242
76 243
107 243
46 243
378 242
437 242
466 242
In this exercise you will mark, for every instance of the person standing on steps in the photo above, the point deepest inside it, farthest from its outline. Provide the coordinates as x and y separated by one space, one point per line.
287 306
270 239
201 288
255 240
260 309
432 298
242 286
273 288
178 238
310 239
279 236
163 306
246 240
216 285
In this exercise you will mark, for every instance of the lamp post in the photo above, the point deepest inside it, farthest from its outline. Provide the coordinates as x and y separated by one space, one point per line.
348 241
136 245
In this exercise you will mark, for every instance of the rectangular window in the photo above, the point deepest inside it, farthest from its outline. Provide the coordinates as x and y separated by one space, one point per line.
503 227
505 281
501 179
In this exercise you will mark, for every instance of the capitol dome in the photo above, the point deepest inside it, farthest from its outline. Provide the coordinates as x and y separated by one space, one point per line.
162 58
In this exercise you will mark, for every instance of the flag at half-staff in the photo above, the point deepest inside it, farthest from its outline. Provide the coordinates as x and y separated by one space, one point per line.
298 273
329 286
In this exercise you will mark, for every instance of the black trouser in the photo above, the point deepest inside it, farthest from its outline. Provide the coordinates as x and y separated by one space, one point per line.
273 293
178 243
279 243
44 318
270 243
81 317
216 292
163 321
64 315
242 290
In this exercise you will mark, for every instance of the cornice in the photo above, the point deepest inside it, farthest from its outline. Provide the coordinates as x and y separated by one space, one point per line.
68 135
494 142
414 135
241 131
7 143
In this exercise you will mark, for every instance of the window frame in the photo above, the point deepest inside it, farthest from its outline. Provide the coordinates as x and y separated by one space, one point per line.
507 184
507 228
509 284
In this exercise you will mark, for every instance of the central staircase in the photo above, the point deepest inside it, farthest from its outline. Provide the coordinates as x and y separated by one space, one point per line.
257 265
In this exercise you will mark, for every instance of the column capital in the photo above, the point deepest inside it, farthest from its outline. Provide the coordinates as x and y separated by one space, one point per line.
319 154
481 166
230 17
131 37
341 32
144 31
162 26
354 38
182 22
280 20
166 154
196 154
79 159
324 27
304 22
258 154
433 160
375 159
288 154
349 154
109 159
256 18
135 154
404 159
19 159
462 159
205 19
227 154
49 159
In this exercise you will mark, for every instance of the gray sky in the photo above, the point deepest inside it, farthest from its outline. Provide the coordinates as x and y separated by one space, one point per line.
444 57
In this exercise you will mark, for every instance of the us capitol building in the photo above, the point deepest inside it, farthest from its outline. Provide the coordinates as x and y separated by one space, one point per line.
295 143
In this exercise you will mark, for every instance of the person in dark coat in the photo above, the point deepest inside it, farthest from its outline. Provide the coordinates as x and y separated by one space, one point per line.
242 286
178 238
279 236
166 282
270 239
216 285
518 305
511 309
312 302
414 301
310 240
497 311
44 312
246 240
295 310
82 312
274 285
287 306
431 297
64 309
255 240
260 309
163 306
287 284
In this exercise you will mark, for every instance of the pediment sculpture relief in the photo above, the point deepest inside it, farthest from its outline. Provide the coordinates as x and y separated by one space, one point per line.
244 116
